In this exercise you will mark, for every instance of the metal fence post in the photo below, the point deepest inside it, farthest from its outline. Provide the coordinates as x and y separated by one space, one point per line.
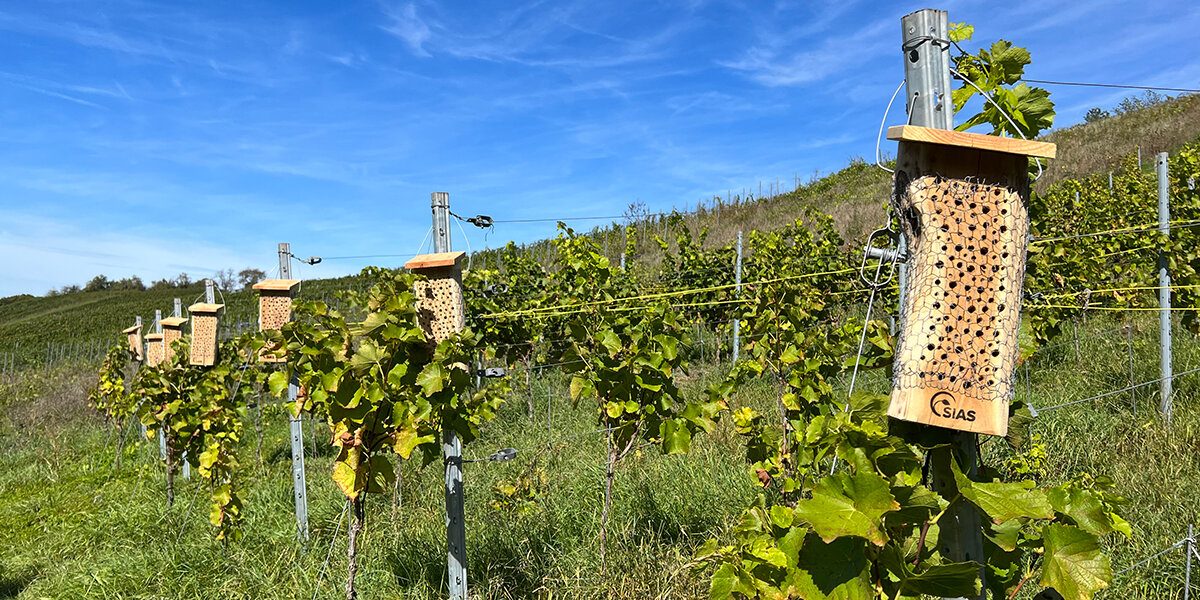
1164 288
186 470
296 425
162 438
737 278
456 532
926 49
1187 572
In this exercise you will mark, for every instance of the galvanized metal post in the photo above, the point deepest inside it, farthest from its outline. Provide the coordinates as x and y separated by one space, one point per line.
737 278
926 48
1187 571
1132 390
456 532
162 438
296 425
209 296
187 468
1164 289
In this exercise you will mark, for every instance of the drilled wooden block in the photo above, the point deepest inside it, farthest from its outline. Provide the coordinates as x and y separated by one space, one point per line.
134 337
154 349
274 311
205 318
170 334
966 221
440 304
440 310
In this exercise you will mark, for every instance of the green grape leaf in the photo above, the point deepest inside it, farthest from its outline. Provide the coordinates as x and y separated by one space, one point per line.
432 378
837 570
676 437
1003 501
845 504
1074 564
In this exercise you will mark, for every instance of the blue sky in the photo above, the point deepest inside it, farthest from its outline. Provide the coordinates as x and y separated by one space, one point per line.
152 138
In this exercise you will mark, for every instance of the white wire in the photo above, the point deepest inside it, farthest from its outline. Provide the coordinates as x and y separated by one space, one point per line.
425 239
882 122
464 233
955 72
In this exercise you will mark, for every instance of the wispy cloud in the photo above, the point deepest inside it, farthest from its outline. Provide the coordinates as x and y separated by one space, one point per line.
787 62
404 23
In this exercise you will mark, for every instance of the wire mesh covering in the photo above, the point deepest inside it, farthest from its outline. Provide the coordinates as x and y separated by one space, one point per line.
958 345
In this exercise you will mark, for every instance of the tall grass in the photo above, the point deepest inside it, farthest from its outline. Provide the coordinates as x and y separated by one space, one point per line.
74 528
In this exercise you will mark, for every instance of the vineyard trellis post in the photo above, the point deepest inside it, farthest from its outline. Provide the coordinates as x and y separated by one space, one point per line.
296 425
737 290
456 533
162 438
926 51
1164 287
139 361
177 312
1187 571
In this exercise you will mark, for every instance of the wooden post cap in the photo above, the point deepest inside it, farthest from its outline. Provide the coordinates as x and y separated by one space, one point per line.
962 139
277 285
173 321
134 329
206 308
436 260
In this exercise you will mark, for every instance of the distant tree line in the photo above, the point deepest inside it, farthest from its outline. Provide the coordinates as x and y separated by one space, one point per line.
225 279
1128 104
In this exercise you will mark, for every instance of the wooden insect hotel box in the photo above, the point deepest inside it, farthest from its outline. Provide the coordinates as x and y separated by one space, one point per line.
154 349
962 200
134 335
205 317
439 296
172 330
274 310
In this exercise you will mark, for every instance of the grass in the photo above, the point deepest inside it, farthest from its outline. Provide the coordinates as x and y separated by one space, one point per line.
77 528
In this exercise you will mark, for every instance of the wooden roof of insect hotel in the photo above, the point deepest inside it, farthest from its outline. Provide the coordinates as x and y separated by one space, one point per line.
946 137
131 329
436 260
277 285
205 308
173 322
153 336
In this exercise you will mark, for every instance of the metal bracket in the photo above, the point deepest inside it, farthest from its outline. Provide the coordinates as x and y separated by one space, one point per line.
491 372
886 256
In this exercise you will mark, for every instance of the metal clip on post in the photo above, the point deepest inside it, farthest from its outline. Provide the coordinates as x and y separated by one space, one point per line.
886 256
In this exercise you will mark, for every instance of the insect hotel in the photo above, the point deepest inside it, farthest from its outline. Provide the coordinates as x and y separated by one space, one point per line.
439 296
154 349
962 201
205 317
134 335
274 309
172 328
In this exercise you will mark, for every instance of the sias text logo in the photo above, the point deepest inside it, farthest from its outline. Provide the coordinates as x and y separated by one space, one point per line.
943 405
